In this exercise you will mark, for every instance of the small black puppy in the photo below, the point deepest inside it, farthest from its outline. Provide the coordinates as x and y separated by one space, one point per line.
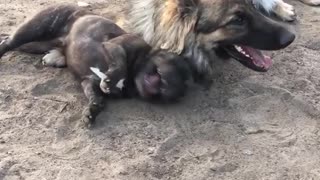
106 59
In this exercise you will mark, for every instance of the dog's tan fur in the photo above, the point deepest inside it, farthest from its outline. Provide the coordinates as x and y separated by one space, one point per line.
168 18
174 25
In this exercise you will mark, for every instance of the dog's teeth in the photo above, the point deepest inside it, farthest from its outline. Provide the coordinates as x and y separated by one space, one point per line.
242 51
245 54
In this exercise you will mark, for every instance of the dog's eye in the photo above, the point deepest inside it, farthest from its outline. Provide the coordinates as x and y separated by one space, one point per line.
238 20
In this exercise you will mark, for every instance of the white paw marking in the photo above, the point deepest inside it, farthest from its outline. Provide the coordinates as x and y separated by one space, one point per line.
2 42
97 72
285 11
120 84
54 57
83 4
104 79
104 87
315 2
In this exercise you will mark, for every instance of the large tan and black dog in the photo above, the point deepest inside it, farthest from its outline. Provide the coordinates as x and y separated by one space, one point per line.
101 55
203 30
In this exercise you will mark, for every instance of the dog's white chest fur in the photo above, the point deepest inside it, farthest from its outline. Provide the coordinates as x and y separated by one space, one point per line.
120 84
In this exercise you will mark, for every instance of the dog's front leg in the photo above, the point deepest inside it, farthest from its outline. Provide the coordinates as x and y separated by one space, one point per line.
96 101
117 71
311 2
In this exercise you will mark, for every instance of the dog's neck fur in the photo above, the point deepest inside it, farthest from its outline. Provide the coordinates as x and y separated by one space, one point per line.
163 29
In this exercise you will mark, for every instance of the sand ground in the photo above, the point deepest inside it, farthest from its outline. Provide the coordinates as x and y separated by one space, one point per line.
249 126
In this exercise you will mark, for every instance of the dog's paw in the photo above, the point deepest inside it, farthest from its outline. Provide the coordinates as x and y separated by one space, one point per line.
2 41
3 45
104 85
91 112
87 117
311 2
285 11
54 58
3 38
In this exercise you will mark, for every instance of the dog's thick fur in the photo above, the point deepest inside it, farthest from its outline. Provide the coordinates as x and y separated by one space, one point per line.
105 59
200 30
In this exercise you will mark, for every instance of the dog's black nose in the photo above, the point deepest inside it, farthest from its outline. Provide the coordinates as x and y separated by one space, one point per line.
286 38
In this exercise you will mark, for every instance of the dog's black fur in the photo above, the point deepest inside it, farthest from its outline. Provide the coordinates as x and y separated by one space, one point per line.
80 40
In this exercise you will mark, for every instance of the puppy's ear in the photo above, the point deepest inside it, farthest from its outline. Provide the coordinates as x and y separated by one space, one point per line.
183 68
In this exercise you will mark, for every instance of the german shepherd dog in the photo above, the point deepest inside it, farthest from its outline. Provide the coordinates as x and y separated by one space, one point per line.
203 30
107 60
283 10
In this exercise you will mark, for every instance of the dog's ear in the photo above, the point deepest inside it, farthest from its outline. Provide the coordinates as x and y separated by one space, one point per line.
183 67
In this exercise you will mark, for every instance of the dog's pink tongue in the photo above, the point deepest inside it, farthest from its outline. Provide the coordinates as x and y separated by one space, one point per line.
258 58
152 83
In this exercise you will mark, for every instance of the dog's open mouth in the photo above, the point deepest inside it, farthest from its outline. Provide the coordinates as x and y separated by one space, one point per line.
250 57
152 84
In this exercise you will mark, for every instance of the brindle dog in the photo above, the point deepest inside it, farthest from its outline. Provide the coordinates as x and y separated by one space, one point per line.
106 59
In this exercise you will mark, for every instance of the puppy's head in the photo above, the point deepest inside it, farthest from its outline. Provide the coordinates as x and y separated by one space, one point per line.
163 77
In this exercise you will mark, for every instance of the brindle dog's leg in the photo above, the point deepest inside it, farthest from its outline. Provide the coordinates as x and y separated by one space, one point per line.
47 25
96 101
117 71
41 47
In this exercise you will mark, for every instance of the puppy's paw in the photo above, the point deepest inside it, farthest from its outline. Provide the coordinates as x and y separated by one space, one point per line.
91 112
87 118
3 46
311 2
54 59
3 38
105 86
285 11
